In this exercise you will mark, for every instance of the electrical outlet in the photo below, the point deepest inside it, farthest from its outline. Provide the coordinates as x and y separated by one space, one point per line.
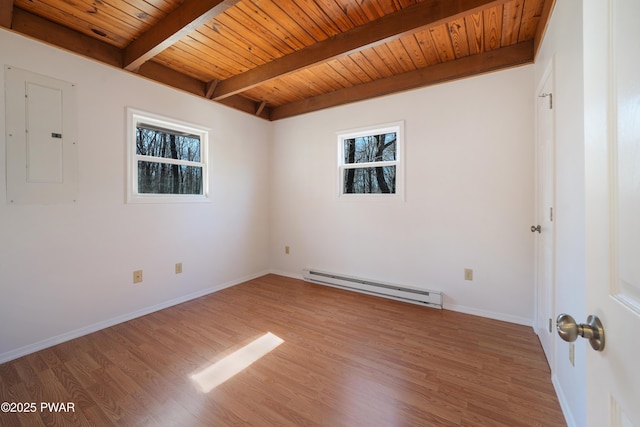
286 250
572 354
137 276
178 268
468 274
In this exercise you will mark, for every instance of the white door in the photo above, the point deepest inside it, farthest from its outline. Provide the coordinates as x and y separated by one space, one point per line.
544 215
612 162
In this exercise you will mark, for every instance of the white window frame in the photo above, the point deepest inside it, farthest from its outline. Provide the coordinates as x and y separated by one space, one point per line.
134 117
398 128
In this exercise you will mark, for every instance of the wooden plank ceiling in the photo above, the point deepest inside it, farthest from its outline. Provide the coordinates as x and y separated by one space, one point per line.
279 58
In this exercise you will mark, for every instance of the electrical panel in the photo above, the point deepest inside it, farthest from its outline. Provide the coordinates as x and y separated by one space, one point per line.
42 148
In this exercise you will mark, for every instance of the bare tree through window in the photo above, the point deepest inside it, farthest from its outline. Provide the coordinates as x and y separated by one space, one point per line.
161 177
366 164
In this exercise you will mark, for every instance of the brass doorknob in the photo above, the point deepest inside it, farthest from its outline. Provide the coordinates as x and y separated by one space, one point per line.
535 228
569 330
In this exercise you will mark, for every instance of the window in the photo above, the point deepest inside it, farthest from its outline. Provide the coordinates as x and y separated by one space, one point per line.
370 162
167 159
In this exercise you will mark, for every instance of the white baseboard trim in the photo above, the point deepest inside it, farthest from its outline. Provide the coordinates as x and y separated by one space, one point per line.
286 274
564 405
67 336
489 314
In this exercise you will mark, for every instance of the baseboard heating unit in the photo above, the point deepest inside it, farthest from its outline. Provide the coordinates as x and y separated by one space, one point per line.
387 290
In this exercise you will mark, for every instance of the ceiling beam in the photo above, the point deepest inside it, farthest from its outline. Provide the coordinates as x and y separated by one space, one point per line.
428 13
211 86
55 34
182 21
263 104
6 13
506 57
248 106
165 75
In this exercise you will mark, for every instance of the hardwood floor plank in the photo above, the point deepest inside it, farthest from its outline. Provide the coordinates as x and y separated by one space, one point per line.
347 360
52 392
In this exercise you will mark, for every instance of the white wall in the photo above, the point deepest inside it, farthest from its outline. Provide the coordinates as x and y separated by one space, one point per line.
67 269
563 44
469 195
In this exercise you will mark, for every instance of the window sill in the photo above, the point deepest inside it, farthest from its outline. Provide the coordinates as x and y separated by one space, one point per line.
166 198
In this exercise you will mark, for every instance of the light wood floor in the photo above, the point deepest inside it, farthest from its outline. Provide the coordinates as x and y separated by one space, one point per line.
347 360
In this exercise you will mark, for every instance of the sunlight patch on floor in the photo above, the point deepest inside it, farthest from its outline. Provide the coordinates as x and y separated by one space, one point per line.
227 367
